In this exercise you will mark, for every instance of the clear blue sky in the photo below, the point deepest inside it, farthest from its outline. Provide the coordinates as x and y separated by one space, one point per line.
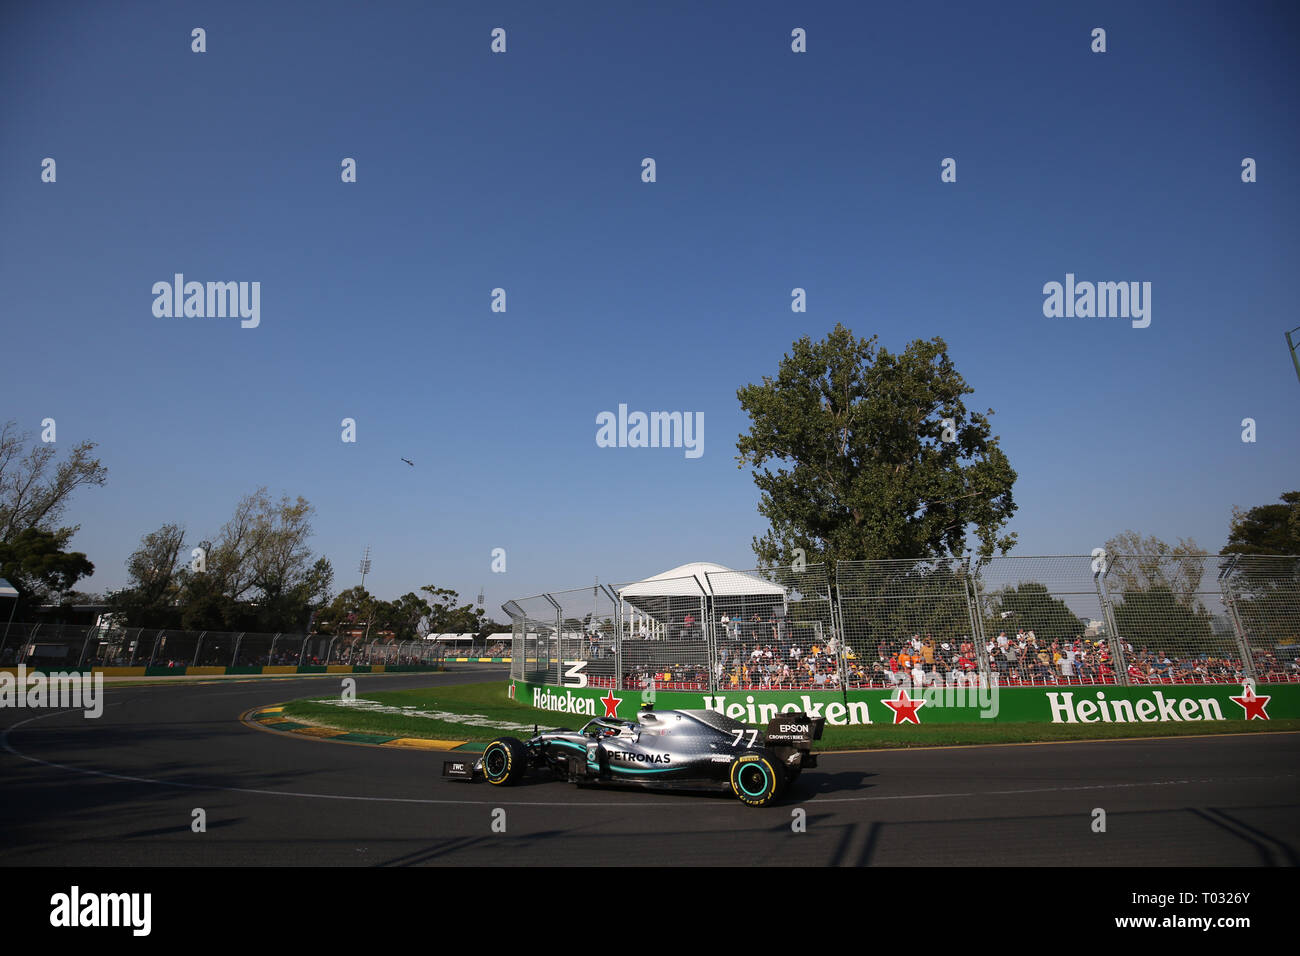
522 171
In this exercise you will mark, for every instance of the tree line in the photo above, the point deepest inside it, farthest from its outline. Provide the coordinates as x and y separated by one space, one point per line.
257 573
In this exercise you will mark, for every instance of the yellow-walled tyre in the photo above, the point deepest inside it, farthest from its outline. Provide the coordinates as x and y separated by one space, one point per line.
505 761
757 778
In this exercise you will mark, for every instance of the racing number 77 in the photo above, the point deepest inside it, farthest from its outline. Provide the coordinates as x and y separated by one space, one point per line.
753 735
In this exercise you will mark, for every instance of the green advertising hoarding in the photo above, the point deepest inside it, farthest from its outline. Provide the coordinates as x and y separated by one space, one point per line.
1067 704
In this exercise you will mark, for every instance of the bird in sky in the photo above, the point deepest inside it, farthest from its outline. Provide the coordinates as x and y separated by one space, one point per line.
409 462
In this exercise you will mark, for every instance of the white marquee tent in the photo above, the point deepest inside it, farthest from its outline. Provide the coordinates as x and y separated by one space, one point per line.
700 577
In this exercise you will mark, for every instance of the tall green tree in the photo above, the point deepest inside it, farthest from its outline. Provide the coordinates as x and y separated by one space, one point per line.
153 588
1266 529
1159 620
849 449
448 616
1141 564
1266 581
258 574
1029 604
38 565
404 616
35 490
351 607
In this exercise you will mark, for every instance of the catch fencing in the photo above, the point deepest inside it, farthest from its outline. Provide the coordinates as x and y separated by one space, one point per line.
111 646
1022 621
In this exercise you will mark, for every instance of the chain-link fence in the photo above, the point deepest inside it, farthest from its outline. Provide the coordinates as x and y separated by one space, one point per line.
908 622
664 634
1043 620
1022 621
1172 619
1262 598
774 628
60 645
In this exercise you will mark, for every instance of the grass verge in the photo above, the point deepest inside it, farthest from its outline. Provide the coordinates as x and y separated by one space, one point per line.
480 712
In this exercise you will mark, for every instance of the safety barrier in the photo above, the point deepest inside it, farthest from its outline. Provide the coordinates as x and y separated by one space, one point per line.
1056 705
228 671
115 646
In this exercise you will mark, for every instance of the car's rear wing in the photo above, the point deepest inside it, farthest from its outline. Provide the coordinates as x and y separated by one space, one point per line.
797 731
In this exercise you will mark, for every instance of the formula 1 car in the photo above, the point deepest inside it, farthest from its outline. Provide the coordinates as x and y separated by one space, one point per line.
661 749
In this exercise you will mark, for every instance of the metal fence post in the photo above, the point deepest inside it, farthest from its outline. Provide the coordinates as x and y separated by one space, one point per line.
619 623
837 634
28 644
973 614
197 645
980 637
559 643
837 619
706 622
1115 640
94 629
559 630
1239 629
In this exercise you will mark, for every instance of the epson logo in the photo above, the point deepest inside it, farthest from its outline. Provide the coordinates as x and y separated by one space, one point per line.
794 729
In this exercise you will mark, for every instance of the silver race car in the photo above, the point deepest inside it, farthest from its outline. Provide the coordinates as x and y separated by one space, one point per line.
662 749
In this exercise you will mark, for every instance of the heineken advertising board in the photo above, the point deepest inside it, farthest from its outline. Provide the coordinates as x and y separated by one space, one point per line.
1056 705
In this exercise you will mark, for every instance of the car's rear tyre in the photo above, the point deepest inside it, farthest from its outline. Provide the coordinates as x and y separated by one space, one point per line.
505 761
757 778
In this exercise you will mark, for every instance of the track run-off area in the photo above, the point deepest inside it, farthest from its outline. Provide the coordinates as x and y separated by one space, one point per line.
123 790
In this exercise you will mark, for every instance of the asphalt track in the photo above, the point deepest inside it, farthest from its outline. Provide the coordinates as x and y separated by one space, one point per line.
120 790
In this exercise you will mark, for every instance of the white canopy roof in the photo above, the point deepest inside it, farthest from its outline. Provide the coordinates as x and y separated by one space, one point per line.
717 580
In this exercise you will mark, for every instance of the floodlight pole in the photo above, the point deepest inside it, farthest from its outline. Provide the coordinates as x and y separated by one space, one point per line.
1293 346
365 569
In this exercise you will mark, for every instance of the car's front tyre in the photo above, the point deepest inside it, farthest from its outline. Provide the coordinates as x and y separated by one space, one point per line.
505 761
757 778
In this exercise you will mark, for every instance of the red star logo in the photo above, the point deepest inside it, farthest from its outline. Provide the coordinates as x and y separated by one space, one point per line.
1251 704
611 704
904 707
